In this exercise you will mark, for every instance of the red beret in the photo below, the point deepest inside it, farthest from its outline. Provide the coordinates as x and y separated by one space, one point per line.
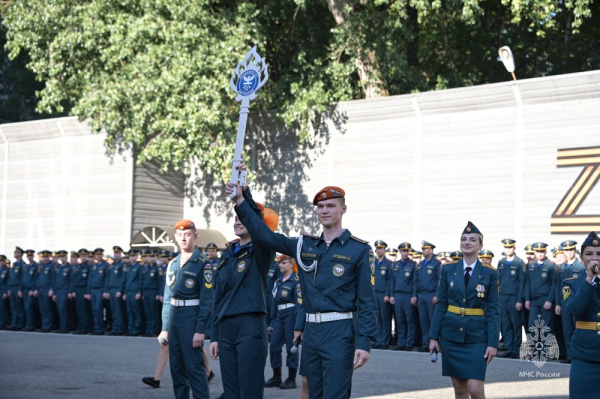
329 192
185 224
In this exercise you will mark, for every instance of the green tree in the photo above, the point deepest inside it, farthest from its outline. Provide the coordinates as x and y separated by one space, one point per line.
154 74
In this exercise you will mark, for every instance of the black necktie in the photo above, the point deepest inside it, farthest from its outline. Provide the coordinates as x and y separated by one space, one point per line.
467 275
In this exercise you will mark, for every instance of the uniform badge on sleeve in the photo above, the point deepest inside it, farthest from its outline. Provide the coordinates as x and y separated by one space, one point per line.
189 283
566 292
208 278
241 266
338 270
299 294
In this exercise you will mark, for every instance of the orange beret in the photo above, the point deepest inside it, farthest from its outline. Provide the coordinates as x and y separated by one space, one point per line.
185 224
282 257
270 217
329 192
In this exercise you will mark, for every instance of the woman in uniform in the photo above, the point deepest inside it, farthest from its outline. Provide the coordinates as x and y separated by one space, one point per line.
581 296
287 298
466 321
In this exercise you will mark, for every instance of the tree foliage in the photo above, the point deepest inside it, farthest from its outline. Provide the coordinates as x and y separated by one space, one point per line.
154 74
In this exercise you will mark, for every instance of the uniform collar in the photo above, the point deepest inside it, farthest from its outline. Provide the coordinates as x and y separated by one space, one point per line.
342 238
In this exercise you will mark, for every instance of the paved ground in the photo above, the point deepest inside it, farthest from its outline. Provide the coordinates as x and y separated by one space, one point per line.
34 365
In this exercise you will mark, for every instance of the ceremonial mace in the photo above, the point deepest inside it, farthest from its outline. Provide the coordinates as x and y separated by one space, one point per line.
250 75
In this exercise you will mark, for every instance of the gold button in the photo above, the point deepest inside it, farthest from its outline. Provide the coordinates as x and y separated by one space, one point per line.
464 300
598 315
462 329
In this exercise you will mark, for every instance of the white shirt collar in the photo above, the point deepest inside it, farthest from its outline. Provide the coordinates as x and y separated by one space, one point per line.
472 266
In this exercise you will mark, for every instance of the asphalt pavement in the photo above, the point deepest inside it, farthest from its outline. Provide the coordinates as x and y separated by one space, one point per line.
36 365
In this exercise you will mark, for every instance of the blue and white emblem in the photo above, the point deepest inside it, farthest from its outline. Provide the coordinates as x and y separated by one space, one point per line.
248 82
338 270
189 283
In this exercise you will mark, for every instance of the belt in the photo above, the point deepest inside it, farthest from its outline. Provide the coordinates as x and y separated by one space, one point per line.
325 317
184 302
587 325
465 311
285 306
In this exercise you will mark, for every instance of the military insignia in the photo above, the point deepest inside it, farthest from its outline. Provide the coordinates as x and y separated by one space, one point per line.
65 273
513 272
271 273
101 271
284 293
382 272
575 275
84 275
451 284
338 270
480 290
429 271
31 272
46 271
544 275
298 291
208 276
170 278
468 229
566 292
116 271
189 283
241 266
323 195
406 274
161 272
152 274
595 243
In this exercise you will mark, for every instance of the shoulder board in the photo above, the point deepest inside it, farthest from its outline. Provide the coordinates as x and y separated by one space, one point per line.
310 235
296 278
488 266
359 240
571 278
228 243
451 263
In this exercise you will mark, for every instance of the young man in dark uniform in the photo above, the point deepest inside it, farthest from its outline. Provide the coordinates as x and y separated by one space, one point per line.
511 280
133 294
187 303
427 278
30 275
61 289
571 268
79 279
150 284
400 291
539 286
239 335
335 271
43 289
96 290
15 289
382 278
115 284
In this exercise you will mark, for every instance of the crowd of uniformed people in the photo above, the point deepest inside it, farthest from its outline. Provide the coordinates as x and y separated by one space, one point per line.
406 281
90 292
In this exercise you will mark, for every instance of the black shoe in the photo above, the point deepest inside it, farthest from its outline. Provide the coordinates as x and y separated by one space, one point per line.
408 349
397 348
288 384
384 347
98 333
211 376
504 355
273 382
151 381
566 361
515 356
424 349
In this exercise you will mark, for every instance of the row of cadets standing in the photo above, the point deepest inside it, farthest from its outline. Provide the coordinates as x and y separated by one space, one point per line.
382 297
426 282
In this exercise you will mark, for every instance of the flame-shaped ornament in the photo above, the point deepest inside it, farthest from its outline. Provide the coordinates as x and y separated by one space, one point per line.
250 75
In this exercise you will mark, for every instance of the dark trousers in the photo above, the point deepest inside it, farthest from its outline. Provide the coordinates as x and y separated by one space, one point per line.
45 309
243 354
62 305
134 313
536 309
327 357
186 362
568 326
17 309
283 331
151 311
4 312
510 322
98 309
384 331
82 307
29 304
116 306
425 314
405 320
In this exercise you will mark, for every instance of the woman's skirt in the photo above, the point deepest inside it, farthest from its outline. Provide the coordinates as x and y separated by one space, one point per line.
463 361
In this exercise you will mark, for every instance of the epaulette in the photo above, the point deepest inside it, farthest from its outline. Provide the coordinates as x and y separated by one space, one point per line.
571 278
310 235
488 266
228 243
359 240
451 263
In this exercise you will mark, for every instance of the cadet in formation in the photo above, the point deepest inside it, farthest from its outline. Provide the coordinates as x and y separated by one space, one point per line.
133 293
79 282
335 271
4 304
569 269
427 278
239 334
382 296
115 285
150 284
29 281
400 291
287 302
539 286
511 280
467 318
188 299
61 290
43 289
581 297
15 291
